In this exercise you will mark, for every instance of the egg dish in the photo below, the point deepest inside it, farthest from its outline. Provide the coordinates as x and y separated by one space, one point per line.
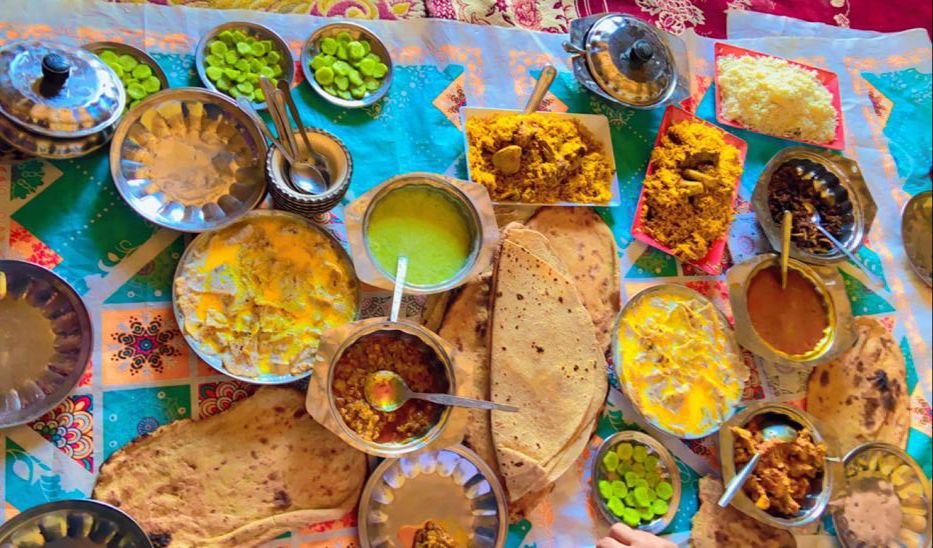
259 294
678 361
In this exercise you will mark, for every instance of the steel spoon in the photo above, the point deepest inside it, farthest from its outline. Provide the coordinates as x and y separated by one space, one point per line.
777 431
250 110
816 220
317 158
386 391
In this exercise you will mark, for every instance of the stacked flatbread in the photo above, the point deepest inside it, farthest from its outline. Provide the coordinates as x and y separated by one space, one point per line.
246 475
528 334
863 394
714 527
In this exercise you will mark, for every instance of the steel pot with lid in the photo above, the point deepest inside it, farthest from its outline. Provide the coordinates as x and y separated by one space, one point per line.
628 61
56 101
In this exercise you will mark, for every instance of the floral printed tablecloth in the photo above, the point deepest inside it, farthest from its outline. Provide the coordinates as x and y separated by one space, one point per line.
67 216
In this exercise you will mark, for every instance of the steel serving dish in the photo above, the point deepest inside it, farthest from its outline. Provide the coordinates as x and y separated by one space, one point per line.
138 53
40 314
473 202
926 540
617 348
827 282
816 502
839 181
916 227
672 475
263 33
56 101
198 167
452 487
84 523
200 243
339 163
432 341
310 49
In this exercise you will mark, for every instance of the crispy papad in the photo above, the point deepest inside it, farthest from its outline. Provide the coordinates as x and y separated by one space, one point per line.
541 340
863 394
715 527
583 241
247 474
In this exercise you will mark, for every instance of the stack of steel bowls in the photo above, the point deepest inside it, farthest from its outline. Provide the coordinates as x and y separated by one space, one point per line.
339 164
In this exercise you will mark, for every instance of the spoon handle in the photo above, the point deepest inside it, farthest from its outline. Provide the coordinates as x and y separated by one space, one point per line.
251 112
871 275
457 401
537 94
293 108
401 271
738 481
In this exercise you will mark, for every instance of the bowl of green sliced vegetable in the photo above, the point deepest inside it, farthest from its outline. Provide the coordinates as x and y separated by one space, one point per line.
140 73
232 57
635 480
347 65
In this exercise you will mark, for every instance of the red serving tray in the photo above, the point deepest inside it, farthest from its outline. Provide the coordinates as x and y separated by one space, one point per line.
826 77
712 262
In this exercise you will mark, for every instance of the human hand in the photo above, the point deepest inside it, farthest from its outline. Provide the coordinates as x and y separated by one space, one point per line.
621 535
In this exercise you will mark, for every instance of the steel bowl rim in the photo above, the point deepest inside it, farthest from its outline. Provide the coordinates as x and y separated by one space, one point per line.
666 457
200 241
924 276
306 57
204 96
427 337
491 478
84 356
617 352
94 47
288 70
274 156
88 505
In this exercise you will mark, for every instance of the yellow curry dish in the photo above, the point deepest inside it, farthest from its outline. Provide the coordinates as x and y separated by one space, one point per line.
259 294
679 363
538 159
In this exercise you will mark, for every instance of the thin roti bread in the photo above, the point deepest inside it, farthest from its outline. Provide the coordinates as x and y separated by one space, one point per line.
537 244
583 241
465 326
541 338
250 473
863 394
714 527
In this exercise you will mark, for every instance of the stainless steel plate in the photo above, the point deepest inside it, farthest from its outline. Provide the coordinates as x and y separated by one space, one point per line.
310 49
671 474
45 341
189 159
916 231
451 487
73 523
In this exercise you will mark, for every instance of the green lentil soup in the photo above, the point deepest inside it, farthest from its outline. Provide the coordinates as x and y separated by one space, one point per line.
425 225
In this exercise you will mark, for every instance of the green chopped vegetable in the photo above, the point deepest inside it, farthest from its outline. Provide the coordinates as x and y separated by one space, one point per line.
243 65
342 52
372 84
239 36
611 461
652 478
217 47
342 82
355 78
616 506
646 513
223 83
245 87
344 37
358 92
641 496
631 517
352 59
659 507
341 67
109 57
640 453
273 58
328 46
259 96
380 70
231 74
231 57
344 95
356 50
324 76
152 84
367 66
624 451
244 58
638 468
367 47
664 490
128 62
630 499
651 463
619 489
226 36
258 50
119 71
137 77
135 90
215 60
267 72
214 73
631 478
605 489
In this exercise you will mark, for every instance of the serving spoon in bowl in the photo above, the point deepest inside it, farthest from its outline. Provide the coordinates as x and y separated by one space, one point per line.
817 221
773 432
386 391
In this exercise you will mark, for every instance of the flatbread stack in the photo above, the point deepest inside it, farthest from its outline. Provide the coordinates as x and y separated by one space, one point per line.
248 474
714 527
528 333
863 394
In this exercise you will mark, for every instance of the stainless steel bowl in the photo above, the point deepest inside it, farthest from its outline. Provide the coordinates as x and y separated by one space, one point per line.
840 181
665 458
38 300
187 157
133 51
816 502
915 235
73 523
392 450
310 49
617 349
470 214
265 33
200 243
905 459
339 163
